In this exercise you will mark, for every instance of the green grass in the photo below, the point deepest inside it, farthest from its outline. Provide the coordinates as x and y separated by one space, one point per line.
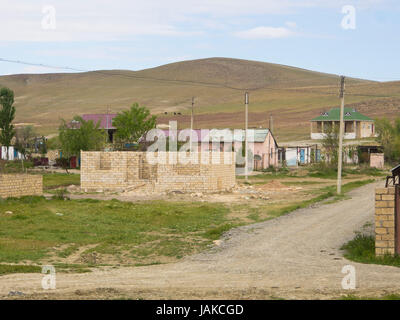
325 193
302 183
368 171
216 233
13 268
172 228
318 170
56 180
261 178
362 249
353 185
322 171
14 166
133 233
8 269
392 296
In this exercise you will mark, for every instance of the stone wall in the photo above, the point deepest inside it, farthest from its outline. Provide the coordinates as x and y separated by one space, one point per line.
132 171
384 221
18 185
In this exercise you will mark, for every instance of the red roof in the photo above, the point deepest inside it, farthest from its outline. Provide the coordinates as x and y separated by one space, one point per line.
105 119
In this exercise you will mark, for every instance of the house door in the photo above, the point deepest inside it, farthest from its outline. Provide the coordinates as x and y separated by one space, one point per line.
302 156
318 153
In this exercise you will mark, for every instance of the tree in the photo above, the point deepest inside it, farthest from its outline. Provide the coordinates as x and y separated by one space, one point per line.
132 124
80 135
389 138
43 147
330 144
7 114
23 141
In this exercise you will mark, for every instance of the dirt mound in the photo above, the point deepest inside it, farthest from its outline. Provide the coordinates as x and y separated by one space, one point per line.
274 185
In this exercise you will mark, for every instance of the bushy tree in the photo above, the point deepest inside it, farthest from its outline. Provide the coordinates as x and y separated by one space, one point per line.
389 138
24 137
330 144
7 114
131 125
80 135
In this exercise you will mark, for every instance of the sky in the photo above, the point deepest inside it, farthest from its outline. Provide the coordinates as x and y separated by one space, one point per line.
357 38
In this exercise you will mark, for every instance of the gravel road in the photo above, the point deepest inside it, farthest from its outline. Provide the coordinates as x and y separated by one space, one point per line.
296 256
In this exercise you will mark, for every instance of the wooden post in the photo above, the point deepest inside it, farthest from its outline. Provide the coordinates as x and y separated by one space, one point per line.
191 125
341 127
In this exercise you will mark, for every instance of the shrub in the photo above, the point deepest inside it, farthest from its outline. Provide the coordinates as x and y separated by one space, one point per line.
61 194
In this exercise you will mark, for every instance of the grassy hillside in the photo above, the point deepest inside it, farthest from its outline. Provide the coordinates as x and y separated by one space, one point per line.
291 95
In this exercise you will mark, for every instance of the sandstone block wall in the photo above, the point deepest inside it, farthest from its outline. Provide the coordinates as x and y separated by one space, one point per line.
132 171
377 160
385 221
18 185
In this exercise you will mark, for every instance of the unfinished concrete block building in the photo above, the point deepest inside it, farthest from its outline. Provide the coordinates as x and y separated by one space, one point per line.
127 170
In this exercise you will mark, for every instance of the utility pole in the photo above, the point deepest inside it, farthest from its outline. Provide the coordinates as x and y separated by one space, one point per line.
246 102
107 117
341 129
271 124
191 124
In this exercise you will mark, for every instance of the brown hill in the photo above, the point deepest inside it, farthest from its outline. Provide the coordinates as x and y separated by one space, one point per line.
291 95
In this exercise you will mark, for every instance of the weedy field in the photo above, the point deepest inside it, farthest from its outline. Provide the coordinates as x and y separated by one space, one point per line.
77 232
94 233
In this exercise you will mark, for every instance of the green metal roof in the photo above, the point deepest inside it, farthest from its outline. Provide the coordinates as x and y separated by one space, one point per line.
349 115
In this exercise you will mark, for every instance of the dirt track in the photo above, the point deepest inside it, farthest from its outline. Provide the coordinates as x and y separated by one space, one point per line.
294 256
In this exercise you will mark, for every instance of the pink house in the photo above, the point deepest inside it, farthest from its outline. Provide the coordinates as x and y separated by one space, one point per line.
265 149
261 142
105 121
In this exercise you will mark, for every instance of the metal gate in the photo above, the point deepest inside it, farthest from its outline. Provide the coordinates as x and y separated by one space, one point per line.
397 219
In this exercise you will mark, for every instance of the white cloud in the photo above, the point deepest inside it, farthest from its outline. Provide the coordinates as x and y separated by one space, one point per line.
97 20
265 33
291 24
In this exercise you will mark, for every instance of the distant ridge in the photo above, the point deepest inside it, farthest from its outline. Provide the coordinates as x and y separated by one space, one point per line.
217 83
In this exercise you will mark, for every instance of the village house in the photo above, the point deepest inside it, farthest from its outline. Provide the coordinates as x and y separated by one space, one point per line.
265 148
105 120
293 155
357 125
261 142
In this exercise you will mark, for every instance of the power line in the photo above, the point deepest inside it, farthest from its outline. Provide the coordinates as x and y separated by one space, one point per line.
110 73
202 83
